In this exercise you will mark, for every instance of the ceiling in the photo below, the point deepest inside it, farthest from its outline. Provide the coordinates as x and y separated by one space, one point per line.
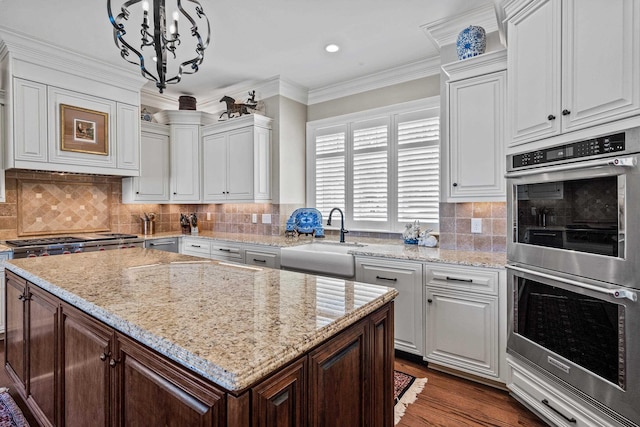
254 40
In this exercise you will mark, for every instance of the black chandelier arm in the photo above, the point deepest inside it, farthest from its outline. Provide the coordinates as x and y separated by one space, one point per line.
159 40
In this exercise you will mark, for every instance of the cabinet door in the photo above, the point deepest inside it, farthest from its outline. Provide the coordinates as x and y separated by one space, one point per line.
407 279
262 259
476 138
462 331
29 121
337 379
128 137
185 163
15 339
534 61
280 401
155 392
214 167
86 351
240 161
601 69
153 182
43 353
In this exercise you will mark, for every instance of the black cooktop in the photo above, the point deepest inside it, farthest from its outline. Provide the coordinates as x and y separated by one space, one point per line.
60 240
44 241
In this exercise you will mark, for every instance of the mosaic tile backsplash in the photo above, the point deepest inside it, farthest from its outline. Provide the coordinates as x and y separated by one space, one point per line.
62 207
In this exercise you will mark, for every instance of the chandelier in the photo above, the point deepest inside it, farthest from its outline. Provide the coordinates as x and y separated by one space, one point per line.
160 44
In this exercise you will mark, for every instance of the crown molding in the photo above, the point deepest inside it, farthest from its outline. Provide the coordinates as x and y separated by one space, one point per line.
397 75
161 101
445 31
22 47
477 65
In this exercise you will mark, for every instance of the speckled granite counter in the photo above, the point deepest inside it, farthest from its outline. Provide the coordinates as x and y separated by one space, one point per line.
231 324
383 248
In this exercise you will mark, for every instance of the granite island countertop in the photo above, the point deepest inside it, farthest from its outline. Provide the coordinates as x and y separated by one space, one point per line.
232 324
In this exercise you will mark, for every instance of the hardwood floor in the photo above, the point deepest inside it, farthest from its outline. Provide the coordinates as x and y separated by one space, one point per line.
446 401
451 401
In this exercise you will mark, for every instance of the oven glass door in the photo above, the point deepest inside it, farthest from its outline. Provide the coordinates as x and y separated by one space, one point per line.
580 218
578 331
584 330
580 214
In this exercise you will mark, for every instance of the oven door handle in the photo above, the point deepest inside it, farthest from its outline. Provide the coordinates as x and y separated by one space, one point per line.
629 162
616 293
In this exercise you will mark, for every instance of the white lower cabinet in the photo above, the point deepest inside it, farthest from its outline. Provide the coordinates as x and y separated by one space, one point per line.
552 402
196 246
225 251
262 256
463 319
406 277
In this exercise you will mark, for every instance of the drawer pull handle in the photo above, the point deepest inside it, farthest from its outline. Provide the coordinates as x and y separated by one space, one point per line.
224 250
196 246
395 279
546 403
455 279
259 260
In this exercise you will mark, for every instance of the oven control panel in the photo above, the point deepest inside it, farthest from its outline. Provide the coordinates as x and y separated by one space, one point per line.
575 150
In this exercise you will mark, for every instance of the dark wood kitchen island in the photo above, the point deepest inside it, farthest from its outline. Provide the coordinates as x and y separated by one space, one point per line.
143 337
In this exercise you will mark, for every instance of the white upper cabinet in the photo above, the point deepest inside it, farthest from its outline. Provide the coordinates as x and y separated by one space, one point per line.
185 163
475 161
153 183
38 82
572 64
237 160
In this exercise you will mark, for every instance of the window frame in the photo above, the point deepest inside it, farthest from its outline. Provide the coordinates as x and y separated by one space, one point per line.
349 122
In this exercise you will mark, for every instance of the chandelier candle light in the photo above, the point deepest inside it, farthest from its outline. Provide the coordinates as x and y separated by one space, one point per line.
161 40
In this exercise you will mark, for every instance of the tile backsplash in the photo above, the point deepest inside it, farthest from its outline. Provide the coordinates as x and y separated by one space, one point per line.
455 226
93 202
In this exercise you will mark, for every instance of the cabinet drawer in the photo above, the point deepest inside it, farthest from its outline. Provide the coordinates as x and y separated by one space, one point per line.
227 252
196 247
263 259
464 279
550 402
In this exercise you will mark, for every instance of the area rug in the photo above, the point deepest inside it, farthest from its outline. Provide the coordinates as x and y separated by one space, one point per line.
10 413
405 391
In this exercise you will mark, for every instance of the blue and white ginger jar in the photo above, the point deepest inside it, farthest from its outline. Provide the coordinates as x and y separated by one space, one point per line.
472 41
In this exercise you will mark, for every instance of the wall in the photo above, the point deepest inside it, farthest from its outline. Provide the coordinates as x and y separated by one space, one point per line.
126 218
455 226
394 94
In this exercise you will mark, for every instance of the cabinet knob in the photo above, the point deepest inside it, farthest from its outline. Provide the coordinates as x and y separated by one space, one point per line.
455 184
551 117
104 356
174 193
113 363
137 192
566 112
429 300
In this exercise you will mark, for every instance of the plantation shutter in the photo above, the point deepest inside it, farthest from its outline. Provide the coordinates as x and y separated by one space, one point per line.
370 171
330 170
418 169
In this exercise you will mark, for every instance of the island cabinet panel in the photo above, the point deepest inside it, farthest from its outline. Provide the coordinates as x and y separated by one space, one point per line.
337 372
152 391
15 336
32 345
280 400
86 384
42 354
382 346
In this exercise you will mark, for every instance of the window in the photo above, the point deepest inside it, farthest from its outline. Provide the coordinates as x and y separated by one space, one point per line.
381 167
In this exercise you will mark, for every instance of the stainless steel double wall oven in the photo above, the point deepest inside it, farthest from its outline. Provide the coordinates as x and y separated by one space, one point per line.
574 268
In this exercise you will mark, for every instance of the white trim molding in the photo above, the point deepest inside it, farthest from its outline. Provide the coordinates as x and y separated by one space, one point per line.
445 31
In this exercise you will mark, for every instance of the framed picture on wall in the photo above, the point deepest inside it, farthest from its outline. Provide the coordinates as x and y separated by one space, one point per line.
84 131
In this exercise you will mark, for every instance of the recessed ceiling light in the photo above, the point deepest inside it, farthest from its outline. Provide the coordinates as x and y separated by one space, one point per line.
332 48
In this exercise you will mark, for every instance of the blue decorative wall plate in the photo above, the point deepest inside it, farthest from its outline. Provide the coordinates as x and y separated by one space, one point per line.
305 221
